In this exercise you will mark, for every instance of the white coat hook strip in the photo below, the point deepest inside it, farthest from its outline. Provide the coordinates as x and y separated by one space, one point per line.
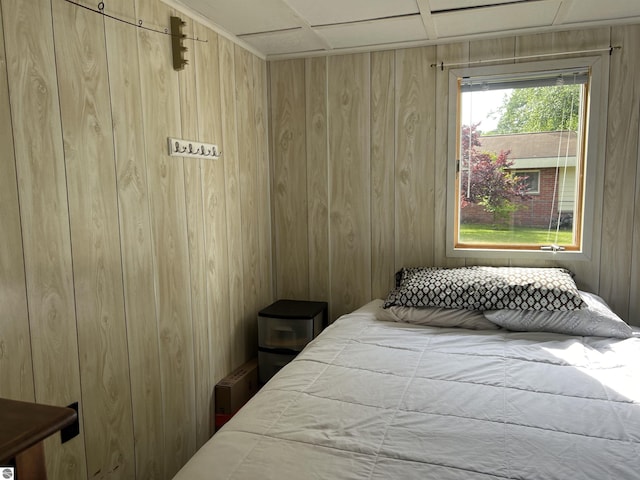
190 148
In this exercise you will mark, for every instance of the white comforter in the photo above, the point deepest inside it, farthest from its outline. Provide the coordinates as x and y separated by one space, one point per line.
370 399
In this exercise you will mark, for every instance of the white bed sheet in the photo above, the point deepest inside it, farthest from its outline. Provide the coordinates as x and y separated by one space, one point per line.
373 399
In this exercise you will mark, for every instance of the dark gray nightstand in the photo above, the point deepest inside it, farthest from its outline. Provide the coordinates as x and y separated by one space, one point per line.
284 328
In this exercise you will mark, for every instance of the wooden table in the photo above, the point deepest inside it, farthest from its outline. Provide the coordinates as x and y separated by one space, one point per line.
23 427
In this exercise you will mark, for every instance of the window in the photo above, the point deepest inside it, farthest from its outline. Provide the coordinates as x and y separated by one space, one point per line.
524 149
531 179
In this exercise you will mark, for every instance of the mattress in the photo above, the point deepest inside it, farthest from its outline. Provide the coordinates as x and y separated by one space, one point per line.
377 399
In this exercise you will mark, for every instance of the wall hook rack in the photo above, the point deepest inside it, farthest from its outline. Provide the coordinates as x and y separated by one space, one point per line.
177 47
188 148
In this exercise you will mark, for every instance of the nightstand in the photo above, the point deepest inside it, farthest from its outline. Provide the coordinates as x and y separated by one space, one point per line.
284 328
25 425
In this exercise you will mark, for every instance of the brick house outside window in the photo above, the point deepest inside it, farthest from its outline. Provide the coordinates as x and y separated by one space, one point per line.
549 160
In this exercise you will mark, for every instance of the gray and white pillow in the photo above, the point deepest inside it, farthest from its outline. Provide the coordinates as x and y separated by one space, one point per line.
595 319
441 317
486 288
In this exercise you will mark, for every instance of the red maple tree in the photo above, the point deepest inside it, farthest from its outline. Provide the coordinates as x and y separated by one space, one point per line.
486 178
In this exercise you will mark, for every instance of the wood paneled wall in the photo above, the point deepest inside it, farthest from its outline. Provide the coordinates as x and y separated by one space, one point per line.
129 280
359 169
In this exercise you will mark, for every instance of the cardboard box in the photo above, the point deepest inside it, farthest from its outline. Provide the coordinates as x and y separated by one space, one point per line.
233 391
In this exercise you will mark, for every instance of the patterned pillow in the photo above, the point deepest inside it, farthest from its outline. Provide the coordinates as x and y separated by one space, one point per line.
486 288
596 319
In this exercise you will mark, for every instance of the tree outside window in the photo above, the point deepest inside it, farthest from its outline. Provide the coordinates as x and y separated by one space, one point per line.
492 178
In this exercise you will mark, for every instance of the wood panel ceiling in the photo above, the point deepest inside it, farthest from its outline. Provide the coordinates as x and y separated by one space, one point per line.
294 28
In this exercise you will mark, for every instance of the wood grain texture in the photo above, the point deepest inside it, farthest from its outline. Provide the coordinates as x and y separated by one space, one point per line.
165 176
382 172
195 172
289 194
574 40
265 292
349 182
197 255
150 270
16 369
239 349
415 162
248 177
315 75
492 48
619 181
97 269
44 216
215 209
136 246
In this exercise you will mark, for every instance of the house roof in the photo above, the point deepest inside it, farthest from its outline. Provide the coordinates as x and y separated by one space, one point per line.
532 145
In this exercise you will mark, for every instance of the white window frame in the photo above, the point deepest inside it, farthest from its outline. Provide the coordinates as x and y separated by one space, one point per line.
594 145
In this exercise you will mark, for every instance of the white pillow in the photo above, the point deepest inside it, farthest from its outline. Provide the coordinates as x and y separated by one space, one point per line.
595 319
442 317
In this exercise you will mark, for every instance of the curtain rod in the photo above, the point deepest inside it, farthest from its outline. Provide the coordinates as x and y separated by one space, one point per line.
441 65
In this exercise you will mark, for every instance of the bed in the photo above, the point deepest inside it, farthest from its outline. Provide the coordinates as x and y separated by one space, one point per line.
381 396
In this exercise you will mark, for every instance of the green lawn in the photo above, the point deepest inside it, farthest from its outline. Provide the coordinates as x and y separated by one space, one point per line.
476 233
